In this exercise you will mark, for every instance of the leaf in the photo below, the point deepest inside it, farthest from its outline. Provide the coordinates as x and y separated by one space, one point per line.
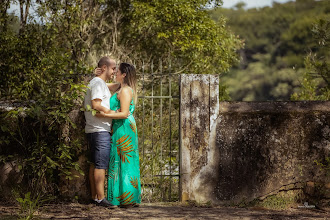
135 182
133 126
52 163
20 200
126 198
124 147
88 107
112 166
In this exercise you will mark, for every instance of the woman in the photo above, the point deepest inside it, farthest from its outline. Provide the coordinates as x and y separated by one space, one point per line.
124 187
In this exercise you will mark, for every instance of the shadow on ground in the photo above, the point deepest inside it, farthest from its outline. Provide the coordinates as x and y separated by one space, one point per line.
77 211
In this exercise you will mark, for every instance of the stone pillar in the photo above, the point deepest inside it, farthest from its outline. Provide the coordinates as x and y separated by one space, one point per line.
199 108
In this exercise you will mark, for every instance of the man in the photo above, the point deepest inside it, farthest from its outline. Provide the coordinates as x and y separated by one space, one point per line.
98 130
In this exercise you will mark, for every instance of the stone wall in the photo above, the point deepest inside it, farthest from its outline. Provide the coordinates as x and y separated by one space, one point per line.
230 151
10 175
78 187
253 149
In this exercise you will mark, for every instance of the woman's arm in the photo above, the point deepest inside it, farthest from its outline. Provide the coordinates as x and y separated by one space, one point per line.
125 101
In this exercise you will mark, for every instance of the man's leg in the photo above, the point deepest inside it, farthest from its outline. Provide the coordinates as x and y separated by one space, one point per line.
91 148
92 181
102 157
99 178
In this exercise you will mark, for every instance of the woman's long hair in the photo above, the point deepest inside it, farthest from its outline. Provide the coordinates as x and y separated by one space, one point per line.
130 78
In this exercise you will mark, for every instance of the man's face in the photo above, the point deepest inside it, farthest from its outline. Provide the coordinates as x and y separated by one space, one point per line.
111 70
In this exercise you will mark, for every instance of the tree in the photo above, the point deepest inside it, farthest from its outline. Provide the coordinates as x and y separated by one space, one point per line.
316 80
282 35
3 15
182 30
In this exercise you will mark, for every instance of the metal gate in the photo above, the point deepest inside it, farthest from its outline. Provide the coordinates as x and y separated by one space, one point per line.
157 116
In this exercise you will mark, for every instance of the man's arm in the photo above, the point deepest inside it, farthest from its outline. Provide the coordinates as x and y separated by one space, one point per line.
113 87
97 92
125 100
96 104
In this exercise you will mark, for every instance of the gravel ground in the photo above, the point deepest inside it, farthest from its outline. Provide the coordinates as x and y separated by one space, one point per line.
162 211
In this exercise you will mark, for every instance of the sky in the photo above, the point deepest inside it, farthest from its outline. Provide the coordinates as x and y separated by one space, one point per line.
251 3
226 4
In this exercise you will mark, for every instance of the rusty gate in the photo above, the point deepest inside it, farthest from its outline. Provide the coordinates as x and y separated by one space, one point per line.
157 117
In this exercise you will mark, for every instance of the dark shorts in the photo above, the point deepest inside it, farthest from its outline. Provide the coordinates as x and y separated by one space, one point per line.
99 145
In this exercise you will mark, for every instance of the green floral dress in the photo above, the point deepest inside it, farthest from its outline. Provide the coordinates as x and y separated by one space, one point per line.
124 186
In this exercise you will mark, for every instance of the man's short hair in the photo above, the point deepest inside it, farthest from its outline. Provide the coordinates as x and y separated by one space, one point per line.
104 61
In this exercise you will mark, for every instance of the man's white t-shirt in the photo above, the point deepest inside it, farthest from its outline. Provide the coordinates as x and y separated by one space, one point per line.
97 89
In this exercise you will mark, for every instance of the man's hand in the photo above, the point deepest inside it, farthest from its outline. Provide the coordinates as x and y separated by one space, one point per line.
101 114
108 111
96 104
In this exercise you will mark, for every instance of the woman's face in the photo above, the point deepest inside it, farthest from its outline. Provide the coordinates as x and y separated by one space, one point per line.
119 77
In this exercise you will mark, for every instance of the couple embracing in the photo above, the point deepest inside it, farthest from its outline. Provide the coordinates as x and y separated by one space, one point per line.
112 136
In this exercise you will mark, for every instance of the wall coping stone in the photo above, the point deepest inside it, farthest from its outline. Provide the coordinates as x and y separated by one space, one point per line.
274 106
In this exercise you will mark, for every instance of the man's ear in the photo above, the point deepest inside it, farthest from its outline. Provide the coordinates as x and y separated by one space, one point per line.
103 68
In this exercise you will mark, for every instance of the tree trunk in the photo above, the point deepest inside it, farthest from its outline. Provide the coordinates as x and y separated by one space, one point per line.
24 13
3 15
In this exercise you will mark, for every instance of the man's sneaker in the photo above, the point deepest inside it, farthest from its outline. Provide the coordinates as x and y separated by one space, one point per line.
92 201
106 203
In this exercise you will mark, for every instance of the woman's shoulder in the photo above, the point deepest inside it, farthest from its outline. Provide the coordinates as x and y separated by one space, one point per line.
126 89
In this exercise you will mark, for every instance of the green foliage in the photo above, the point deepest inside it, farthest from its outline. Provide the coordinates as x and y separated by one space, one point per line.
89 109
259 82
194 203
38 71
316 80
182 30
324 165
282 35
282 200
29 205
223 92
279 201
144 30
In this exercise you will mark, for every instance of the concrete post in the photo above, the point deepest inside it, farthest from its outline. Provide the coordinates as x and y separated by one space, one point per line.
199 109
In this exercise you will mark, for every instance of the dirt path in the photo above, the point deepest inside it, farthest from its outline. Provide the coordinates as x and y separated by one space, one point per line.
76 211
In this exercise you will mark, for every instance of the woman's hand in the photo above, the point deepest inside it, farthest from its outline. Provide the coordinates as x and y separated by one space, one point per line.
97 71
119 110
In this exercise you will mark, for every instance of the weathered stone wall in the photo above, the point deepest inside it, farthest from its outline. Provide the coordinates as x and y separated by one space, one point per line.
11 176
253 149
231 151
78 187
